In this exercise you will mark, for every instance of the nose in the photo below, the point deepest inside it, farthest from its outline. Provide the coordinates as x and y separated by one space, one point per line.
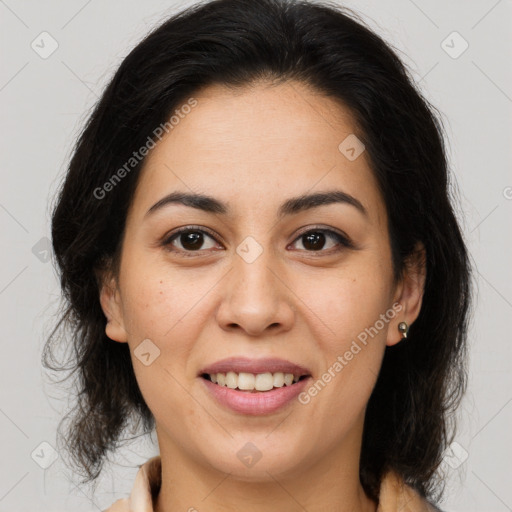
256 297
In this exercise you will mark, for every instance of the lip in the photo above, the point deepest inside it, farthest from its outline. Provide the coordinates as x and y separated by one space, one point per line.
258 403
244 364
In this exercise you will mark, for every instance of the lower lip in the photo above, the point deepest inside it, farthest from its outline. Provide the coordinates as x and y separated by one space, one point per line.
259 403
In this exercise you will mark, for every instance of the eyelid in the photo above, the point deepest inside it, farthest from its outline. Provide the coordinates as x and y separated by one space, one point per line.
345 239
166 239
341 237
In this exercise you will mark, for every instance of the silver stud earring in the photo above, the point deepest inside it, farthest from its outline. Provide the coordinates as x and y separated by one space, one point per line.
403 328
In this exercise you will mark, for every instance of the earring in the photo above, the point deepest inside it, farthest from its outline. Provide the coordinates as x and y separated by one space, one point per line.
403 328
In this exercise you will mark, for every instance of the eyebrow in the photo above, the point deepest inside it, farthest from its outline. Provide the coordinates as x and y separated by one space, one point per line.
289 207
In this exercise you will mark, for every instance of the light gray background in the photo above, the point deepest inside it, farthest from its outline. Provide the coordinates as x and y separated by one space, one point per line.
45 101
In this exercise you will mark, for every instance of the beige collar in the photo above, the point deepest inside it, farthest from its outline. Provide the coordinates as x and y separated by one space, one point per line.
395 495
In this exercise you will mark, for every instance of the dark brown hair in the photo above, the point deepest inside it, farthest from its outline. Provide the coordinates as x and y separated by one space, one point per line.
235 43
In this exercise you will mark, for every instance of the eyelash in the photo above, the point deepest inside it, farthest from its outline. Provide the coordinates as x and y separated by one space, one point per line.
342 240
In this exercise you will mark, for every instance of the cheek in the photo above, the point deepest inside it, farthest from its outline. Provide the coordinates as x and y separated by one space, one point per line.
157 302
161 309
350 323
345 304
169 308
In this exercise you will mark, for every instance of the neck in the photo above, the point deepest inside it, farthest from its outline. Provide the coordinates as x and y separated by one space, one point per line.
330 484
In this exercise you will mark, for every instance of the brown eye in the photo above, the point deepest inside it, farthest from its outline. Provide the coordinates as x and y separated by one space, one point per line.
188 239
315 240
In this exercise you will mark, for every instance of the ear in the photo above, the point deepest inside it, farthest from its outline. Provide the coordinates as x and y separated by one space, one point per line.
409 293
111 305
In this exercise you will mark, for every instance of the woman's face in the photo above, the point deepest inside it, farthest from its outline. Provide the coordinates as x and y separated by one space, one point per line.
258 285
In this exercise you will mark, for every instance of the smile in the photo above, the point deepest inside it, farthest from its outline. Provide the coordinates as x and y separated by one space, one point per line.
254 403
249 382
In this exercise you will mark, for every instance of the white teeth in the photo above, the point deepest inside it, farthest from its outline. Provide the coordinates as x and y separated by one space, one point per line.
288 379
278 380
246 381
264 382
249 381
231 380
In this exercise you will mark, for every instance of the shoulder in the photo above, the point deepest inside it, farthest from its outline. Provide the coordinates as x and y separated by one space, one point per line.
122 505
395 495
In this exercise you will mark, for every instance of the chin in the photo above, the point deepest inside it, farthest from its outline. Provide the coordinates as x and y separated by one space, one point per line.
256 458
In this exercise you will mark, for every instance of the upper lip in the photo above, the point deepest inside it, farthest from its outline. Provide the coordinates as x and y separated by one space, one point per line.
244 364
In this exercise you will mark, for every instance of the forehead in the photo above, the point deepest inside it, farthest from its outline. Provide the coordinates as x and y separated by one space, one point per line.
253 146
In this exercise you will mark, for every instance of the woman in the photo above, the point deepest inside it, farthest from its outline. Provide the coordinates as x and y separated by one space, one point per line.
261 261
